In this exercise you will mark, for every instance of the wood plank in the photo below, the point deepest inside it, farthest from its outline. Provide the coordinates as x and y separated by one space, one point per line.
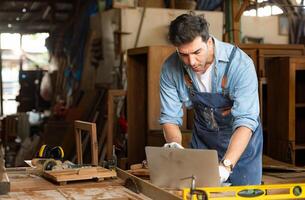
63 193
49 194
102 142
136 107
111 193
273 46
78 139
287 175
90 129
87 126
147 188
29 186
27 179
300 146
4 184
4 180
79 174
270 164
156 57
94 146
137 51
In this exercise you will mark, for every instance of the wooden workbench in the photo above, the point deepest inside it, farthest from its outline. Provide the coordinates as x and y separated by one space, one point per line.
25 184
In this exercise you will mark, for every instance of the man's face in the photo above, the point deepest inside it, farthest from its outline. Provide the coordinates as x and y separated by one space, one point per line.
195 54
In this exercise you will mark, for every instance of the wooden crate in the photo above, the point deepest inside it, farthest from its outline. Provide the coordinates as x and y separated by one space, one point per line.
77 174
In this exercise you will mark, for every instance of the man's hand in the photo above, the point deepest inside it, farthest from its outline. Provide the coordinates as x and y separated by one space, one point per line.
224 174
173 145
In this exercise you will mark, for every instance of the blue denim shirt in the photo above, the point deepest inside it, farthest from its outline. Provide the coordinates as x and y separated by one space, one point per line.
242 87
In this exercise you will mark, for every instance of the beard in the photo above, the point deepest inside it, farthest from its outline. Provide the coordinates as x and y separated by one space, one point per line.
200 67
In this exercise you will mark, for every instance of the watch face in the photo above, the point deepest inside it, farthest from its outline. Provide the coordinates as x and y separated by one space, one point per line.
227 162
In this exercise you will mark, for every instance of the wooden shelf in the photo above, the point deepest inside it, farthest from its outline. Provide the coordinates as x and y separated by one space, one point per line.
300 105
285 122
299 146
143 98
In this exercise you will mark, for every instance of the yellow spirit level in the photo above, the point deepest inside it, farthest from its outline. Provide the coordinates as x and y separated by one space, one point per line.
261 192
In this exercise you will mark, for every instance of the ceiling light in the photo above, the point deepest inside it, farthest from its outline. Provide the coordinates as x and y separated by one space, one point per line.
9 25
17 18
23 10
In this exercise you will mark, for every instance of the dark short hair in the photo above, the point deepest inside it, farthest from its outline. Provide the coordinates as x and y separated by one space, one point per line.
186 27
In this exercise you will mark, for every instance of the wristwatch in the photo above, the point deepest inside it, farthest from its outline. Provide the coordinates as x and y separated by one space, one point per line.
227 163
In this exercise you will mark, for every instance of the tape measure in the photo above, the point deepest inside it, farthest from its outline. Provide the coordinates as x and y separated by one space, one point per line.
261 192
47 151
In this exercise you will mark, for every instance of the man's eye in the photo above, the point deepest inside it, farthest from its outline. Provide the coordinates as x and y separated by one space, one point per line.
183 55
197 52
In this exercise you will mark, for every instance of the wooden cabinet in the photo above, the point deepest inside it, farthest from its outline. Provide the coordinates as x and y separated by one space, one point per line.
261 54
286 109
143 98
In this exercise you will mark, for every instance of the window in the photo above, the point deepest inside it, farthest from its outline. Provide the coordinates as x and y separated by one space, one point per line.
263 11
29 50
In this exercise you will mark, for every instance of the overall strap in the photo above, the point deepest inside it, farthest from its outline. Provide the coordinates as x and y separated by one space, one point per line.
187 79
225 77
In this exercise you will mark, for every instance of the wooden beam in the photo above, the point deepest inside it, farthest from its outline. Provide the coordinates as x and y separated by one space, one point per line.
235 24
241 10
147 188
86 126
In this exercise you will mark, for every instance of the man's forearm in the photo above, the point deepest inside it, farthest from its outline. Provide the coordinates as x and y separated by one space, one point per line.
238 144
172 133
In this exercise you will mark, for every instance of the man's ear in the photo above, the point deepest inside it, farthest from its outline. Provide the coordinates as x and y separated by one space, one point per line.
210 41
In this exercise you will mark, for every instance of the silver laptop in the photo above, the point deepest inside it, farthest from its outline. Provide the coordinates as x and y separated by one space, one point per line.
170 168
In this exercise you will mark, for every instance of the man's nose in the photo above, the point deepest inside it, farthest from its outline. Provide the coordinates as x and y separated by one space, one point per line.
191 59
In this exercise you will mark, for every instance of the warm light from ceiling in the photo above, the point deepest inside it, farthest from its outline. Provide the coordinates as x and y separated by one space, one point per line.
264 11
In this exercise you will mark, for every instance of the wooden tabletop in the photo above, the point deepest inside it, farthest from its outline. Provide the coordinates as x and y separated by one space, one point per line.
26 184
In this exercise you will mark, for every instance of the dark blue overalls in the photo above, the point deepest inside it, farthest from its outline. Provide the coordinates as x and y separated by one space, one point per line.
213 130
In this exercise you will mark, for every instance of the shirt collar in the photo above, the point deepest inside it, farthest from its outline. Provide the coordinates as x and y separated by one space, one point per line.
220 55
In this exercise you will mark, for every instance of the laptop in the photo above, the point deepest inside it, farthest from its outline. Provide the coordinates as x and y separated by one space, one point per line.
171 168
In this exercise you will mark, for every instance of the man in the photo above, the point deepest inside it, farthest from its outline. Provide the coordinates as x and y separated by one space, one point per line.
219 81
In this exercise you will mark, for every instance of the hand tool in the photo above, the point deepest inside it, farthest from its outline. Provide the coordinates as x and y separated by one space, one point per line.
262 192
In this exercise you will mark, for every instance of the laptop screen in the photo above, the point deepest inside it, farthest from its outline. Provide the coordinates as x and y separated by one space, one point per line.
172 168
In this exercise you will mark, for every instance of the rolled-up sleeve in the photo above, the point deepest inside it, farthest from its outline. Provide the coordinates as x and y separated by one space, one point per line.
171 105
245 96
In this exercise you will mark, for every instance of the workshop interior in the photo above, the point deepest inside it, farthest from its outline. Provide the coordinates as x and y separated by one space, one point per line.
152 99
